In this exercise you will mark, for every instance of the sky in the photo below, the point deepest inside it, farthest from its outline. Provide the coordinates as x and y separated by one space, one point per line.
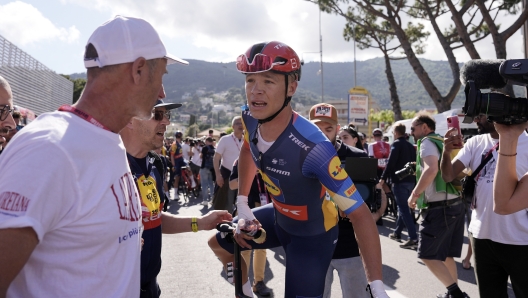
55 31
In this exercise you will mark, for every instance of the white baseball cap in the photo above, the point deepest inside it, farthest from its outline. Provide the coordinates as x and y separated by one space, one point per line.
123 40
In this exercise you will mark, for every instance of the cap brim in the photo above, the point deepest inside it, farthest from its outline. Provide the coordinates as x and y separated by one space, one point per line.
168 106
171 59
327 120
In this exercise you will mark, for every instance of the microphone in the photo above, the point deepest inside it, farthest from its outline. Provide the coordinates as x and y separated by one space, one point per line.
484 72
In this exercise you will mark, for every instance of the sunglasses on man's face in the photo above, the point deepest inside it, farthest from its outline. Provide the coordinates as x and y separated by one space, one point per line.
4 111
158 115
4 131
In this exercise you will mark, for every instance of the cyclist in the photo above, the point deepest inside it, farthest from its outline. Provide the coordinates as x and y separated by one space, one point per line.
299 165
176 155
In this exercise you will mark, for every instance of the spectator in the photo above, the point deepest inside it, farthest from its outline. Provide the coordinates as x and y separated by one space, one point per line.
349 136
140 137
346 259
385 139
86 215
295 160
379 150
500 242
226 153
363 140
401 153
186 150
441 232
7 123
196 161
206 170
12 132
176 155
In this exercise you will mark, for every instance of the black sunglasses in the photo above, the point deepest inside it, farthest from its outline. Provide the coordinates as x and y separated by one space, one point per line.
412 127
4 130
4 111
158 115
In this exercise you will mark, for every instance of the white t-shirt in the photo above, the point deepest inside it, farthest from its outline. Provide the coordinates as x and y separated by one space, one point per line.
486 224
229 147
70 181
185 151
428 148
196 159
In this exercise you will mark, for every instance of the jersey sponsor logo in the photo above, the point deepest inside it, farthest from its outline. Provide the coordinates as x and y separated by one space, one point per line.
336 171
13 202
273 189
131 233
298 142
294 212
126 195
350 191
285 173
274 161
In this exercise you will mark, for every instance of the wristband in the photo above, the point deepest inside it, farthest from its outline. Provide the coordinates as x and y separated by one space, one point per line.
194 224
377 289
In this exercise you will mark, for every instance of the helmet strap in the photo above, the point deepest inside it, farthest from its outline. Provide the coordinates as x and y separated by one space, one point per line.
286 101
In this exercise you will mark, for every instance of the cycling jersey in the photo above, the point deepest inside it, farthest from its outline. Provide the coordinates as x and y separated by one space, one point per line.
150 187
298 169
177 152
381 151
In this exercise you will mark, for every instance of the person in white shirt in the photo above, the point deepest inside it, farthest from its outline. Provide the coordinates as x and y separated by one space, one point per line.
186 150
500 242
227 151
70 217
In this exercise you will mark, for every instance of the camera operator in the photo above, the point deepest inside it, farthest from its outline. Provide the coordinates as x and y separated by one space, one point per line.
500 243
401 153
441 232
510 190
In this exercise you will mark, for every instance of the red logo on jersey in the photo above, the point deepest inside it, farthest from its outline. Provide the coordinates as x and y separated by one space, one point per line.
127 198
350 191
294 212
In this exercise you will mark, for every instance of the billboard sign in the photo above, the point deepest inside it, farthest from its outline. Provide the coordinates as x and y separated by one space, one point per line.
358 108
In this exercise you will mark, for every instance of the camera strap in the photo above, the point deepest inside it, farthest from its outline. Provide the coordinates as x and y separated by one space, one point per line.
487 158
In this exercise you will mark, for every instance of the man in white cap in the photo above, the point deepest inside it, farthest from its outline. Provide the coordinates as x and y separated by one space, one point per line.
70 217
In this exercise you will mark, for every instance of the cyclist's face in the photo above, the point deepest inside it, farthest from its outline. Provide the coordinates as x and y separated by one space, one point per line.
329 130
265 93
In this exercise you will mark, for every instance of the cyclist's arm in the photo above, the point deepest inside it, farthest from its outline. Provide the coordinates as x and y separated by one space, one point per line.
368 240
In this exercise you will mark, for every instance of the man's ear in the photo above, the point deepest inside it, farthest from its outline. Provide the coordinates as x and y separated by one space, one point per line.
139 69
292 87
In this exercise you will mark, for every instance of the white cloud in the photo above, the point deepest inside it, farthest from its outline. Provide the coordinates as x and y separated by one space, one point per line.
226 28
23 24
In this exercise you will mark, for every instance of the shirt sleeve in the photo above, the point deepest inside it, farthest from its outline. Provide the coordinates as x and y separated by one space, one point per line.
324 164
464 155
220 146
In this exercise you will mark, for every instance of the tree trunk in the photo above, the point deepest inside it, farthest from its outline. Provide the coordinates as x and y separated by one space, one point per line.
395 100
462 31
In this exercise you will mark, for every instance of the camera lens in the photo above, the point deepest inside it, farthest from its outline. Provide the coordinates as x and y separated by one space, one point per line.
497 107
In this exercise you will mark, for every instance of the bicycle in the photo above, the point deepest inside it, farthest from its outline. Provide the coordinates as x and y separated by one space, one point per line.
228 229
187 183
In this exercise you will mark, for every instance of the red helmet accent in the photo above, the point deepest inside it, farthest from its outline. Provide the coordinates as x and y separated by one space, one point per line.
274 55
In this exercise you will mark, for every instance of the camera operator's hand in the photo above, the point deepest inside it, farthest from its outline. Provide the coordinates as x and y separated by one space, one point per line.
452 140
509 132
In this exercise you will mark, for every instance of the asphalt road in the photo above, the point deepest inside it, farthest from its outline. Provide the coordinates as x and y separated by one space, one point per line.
190 269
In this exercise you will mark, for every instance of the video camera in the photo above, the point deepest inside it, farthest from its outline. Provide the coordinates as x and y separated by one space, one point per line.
494 74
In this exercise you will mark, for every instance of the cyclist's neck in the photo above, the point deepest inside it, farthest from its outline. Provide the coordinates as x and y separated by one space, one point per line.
271 130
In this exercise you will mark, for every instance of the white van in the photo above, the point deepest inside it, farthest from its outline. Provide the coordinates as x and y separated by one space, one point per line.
441 125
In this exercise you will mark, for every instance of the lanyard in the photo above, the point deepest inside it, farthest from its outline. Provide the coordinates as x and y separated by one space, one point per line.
82 115
236 143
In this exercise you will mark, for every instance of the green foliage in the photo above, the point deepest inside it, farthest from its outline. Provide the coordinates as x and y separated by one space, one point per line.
192 130
78 87
387 116
229 130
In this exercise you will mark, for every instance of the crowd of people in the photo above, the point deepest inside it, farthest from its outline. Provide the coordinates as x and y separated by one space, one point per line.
100 185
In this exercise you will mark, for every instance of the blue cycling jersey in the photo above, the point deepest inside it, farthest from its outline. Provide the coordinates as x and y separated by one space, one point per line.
298 169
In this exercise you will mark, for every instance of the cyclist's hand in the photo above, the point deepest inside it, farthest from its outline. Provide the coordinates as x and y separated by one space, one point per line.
219 180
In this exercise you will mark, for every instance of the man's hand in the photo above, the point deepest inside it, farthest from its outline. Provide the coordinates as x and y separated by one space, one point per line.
219 180
452 141
381 183
412 200
211 219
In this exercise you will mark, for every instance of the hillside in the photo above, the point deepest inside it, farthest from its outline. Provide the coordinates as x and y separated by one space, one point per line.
215 77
